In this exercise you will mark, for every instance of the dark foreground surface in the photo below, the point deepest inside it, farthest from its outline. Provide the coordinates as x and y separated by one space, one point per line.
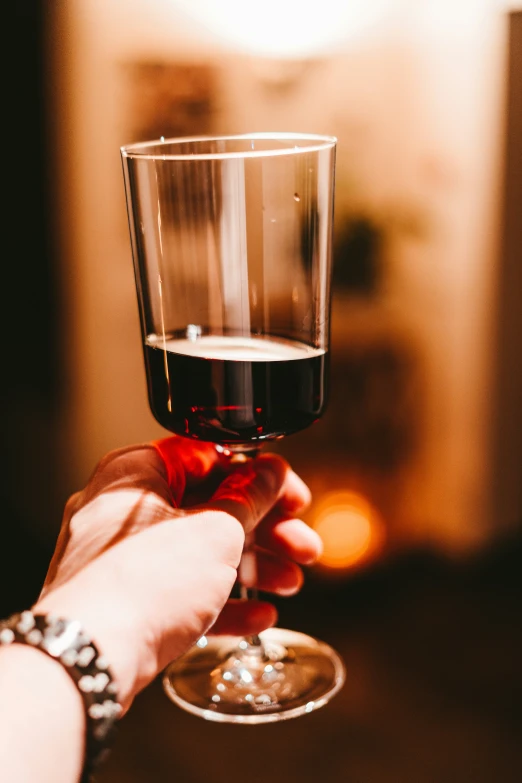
433 695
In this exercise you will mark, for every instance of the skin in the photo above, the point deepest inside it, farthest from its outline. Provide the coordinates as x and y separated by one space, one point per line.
146 559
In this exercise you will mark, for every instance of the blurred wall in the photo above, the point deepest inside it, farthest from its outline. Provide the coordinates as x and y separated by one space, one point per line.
30 385
417 103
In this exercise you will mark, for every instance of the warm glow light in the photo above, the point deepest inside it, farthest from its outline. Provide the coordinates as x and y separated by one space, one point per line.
349 528
284 28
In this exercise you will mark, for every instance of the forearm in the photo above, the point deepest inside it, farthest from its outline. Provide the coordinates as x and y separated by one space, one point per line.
42 724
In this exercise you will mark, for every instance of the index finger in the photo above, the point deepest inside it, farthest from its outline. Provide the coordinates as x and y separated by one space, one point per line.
164 467
251 490
187 463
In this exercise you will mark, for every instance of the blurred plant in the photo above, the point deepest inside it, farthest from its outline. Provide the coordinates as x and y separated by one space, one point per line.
361 244
357 257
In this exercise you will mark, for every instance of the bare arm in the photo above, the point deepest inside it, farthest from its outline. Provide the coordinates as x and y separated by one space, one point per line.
147 577
41 719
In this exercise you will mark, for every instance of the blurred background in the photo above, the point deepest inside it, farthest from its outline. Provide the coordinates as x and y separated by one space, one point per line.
416 468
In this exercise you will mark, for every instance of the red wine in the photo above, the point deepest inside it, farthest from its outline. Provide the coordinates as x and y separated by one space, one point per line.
232 390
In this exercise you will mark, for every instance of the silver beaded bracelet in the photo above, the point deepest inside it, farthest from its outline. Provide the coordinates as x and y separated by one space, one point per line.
66 642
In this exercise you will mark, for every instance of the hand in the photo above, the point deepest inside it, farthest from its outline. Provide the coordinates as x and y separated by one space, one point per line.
148 568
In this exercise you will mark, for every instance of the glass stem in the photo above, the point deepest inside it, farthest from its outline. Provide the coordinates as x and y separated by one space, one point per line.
247 571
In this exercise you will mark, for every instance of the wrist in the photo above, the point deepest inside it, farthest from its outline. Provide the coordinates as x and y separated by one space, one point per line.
107 620
65 641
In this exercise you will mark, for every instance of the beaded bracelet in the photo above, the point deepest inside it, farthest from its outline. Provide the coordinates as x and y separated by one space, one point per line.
66 642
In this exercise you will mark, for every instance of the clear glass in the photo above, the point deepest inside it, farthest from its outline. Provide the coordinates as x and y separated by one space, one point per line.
231 240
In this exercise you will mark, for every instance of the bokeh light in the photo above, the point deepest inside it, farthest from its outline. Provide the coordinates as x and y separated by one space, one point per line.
290 29
350 528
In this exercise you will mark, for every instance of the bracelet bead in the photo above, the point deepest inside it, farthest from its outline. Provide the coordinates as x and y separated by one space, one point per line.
66 642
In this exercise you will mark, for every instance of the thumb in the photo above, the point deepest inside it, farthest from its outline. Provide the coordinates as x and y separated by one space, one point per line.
251 490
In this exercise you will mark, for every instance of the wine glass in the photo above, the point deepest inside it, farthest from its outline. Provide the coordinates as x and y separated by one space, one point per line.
231 241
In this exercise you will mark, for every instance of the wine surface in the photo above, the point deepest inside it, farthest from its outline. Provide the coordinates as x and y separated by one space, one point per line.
232 390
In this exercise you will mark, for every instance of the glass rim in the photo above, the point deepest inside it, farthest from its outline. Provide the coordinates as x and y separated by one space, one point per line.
317 142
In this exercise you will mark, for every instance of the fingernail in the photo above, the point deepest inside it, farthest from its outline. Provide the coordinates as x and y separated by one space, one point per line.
286 592
247 570
299 483
317 542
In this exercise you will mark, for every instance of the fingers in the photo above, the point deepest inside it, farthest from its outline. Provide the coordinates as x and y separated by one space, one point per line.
275 574
165 468
252 490
187 463
136 468
291 538
295 495
243 618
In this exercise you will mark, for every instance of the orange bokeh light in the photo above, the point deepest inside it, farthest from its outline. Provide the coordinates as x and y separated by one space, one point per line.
349 527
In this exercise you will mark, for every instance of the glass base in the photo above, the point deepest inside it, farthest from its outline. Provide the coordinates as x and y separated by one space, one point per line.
228 680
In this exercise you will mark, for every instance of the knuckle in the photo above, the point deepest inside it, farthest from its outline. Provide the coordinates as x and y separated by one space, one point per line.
109 458
154 504
121 461
278 463
71 505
